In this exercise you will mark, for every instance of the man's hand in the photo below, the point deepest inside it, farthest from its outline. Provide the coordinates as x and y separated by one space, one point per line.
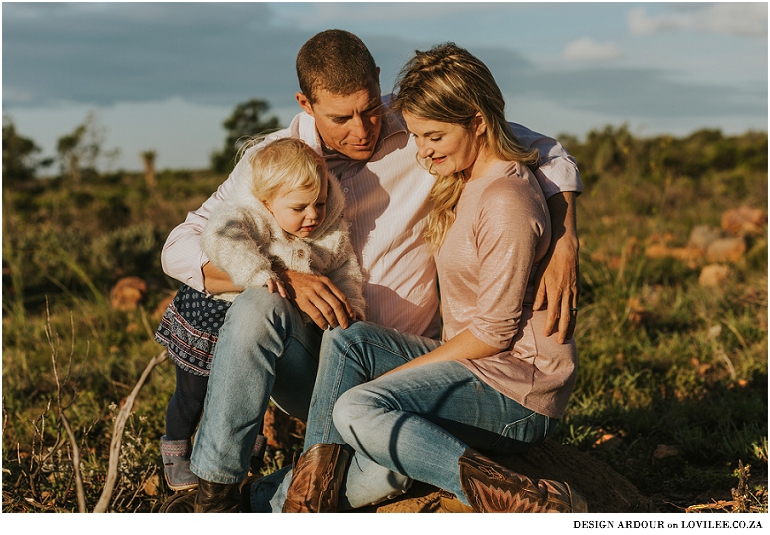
556 279
319 298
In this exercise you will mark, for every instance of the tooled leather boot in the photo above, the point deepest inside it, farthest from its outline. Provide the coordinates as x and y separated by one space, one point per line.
316 480
492 488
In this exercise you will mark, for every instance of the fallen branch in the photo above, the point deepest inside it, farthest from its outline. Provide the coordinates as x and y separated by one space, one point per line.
80 490
117 436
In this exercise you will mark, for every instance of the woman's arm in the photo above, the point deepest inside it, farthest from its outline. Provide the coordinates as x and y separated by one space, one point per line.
509 230
463 346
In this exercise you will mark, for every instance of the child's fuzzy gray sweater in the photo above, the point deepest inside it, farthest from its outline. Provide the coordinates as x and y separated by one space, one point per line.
243 239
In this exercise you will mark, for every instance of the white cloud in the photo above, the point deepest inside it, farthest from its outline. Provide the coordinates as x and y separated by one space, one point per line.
744 19
586 49
16 95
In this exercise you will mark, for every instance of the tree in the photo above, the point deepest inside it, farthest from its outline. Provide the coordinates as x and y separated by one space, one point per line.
19 163
80 150
148 157
245 122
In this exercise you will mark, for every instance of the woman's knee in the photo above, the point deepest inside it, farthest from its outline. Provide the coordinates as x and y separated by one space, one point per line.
353 412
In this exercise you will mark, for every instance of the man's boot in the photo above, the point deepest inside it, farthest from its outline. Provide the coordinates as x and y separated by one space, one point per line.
492 488
212 498
316 480
217 497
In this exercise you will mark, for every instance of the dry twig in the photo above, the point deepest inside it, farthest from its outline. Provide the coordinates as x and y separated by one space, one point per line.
80 490
117 436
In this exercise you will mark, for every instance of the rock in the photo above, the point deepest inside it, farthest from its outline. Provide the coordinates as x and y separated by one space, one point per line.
702 235
127 293
726 250
690 255
281 430
744 221
604 489
162 306
664 450
637 312
714 275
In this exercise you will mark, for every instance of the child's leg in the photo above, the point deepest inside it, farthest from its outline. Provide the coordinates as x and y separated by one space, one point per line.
186 405
182 417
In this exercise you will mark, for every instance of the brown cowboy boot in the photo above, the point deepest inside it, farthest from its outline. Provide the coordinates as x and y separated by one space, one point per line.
217 497
491 488
179 502
316 480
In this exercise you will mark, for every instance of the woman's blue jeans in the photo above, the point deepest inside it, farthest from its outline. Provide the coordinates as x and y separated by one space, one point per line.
415 423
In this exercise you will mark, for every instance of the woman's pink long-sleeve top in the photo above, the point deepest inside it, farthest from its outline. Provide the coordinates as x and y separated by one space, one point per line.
486 272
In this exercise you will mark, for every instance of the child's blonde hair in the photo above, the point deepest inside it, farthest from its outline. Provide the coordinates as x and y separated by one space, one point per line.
288 164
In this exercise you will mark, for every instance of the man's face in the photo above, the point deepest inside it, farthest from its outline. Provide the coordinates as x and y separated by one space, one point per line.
348 124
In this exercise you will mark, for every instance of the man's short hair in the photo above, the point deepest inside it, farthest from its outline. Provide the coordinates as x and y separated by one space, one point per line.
337 61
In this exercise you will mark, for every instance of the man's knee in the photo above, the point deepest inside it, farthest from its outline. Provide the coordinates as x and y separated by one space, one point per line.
256 311
259 299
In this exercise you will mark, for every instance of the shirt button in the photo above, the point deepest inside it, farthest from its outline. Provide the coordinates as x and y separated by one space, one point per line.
345 190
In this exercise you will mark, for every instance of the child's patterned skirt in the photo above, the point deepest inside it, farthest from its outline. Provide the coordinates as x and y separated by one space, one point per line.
189 329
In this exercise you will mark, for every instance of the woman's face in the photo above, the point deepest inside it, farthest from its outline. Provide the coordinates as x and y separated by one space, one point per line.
450 147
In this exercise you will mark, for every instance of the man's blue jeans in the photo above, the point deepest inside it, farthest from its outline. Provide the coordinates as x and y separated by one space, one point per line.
264 349
415 423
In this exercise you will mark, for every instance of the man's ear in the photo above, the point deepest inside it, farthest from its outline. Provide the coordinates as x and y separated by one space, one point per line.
304 103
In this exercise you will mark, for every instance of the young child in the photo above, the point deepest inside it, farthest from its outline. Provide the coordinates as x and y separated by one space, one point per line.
288 216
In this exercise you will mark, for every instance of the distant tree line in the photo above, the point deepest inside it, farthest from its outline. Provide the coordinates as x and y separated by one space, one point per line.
604 151
79 151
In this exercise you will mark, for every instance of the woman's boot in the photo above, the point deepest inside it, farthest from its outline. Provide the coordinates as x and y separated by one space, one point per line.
176 464
316 480
491 488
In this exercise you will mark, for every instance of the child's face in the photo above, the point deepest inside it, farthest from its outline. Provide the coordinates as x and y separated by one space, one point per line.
297 211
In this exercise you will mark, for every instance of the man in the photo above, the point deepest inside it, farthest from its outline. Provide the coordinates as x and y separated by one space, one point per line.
370 151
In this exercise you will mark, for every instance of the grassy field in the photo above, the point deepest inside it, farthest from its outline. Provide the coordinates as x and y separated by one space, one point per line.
672 385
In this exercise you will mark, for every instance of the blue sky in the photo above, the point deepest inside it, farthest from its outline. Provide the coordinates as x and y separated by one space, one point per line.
164 76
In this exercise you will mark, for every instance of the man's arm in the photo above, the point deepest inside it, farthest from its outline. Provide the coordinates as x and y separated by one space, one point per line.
182 257
557 275
217 281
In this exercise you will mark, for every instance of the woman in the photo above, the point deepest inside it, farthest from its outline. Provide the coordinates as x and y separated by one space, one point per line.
420 408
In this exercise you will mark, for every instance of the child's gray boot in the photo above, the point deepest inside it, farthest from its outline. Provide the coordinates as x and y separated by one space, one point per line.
176 464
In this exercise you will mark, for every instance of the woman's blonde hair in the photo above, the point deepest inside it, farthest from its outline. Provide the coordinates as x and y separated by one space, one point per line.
450 85
284 164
